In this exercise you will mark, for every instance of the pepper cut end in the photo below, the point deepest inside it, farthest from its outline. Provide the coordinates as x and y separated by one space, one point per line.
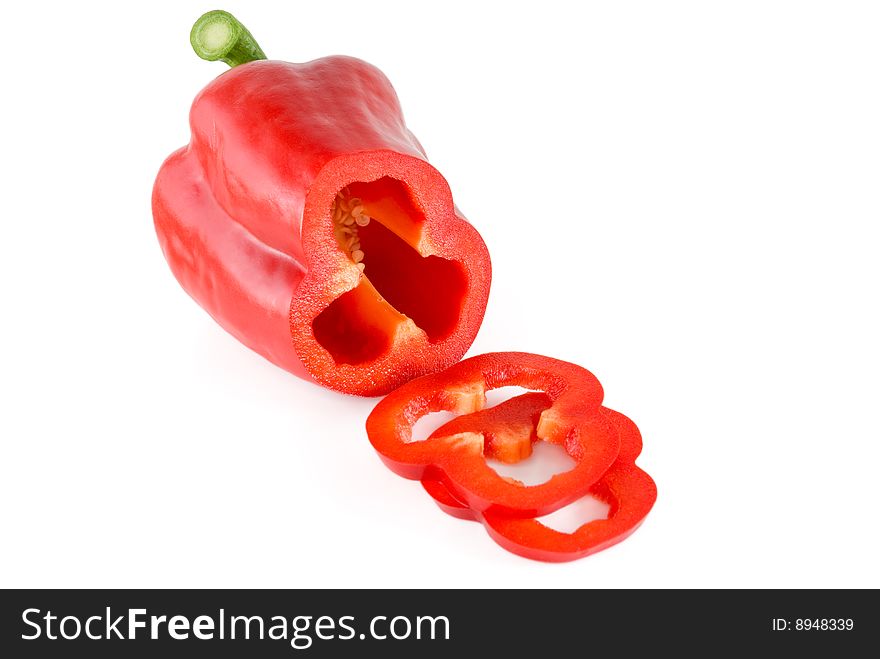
550 427
467 441
417 302
465 399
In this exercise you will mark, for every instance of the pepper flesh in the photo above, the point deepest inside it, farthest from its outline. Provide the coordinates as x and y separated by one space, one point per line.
509 429
570 416
244 216
628 490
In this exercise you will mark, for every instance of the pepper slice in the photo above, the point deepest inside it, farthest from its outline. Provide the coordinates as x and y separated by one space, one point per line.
304 217
628 490
571 416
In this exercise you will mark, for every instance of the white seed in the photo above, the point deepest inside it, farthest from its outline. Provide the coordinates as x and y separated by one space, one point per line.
348 215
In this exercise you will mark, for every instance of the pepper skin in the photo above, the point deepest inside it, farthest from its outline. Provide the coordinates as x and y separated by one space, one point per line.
568 413
628 490
304 218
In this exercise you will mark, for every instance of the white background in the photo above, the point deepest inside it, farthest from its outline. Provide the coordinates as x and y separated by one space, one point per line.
681 197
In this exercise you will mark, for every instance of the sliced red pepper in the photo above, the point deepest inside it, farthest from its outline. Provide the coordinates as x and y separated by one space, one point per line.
569 415
304 217
509 429
628 490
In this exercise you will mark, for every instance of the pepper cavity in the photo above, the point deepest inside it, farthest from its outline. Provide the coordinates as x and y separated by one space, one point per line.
348 214
379 225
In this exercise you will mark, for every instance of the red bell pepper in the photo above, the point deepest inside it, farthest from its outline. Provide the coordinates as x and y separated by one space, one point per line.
628 490
304 217
568 413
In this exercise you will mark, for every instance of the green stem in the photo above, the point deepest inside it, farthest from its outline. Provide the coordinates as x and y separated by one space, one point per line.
218 35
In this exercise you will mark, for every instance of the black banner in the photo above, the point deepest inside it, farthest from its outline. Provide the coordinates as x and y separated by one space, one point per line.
287 623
